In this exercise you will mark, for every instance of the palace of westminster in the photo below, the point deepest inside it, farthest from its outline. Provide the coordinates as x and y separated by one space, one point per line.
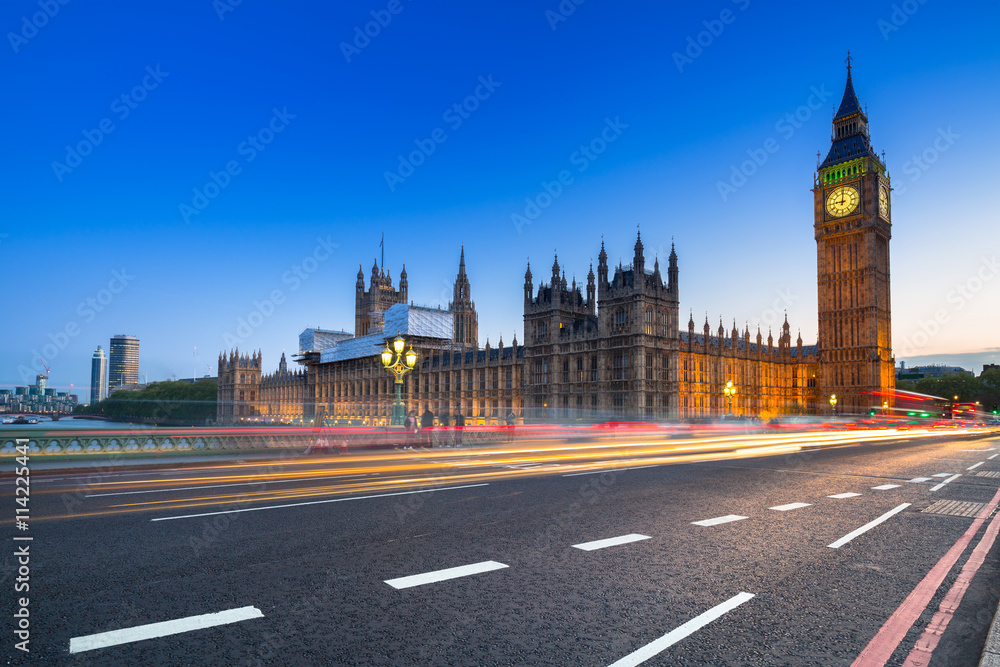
614 348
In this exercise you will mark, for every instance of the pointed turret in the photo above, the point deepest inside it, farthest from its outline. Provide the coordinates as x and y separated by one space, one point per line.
639 260
528 285
602 267
404 286
591 291
672 271
466 320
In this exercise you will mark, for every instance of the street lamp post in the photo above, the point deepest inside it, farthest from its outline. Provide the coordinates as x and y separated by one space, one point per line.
833 404
729 391
885 407
399 367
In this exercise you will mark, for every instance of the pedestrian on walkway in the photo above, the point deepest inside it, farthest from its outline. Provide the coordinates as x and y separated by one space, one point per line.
426 424
459 427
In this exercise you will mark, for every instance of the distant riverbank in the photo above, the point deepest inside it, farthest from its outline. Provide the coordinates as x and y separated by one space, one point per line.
47 424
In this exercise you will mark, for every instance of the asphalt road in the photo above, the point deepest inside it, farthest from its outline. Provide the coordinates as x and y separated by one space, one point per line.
304 548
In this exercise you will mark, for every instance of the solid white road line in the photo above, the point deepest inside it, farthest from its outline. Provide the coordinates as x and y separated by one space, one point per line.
975 465
950 479
868 526
674 636
790 506
886 487
719 519
917 480
443 575
319 502
990 458
941 474
220 486
611 542
991 449
849 494
162 629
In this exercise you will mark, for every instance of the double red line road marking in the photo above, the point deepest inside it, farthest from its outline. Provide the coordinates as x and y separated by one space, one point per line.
888 638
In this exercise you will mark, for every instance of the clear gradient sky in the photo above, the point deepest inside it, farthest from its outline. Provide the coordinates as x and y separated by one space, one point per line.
309 118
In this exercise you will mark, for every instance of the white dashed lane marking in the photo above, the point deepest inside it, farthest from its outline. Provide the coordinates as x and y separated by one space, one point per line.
674 636
917 480
975 465
162 629
990 458
611 542
868 526
444 575
790 506
886 487
950 479
719 519
849 494
942 474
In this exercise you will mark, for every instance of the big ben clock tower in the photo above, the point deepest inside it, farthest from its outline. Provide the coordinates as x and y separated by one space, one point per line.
853 213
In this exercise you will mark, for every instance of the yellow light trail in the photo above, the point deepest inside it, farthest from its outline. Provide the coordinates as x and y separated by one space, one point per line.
424 469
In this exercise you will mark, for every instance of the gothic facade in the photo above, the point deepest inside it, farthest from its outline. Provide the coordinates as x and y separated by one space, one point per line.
613 348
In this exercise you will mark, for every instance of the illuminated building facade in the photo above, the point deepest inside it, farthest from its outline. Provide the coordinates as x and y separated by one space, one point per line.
613 347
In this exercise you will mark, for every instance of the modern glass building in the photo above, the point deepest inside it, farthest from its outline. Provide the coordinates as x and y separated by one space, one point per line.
123 362
98 376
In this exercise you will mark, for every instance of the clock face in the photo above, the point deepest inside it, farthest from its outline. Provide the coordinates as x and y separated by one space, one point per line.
883 202
842 200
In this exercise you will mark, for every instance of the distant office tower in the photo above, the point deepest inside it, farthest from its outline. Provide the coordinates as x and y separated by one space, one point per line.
123 362
98 376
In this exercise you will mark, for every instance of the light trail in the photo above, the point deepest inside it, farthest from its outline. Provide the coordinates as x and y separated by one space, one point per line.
392 470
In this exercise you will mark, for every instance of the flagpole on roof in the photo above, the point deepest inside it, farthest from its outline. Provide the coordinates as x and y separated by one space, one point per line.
381 244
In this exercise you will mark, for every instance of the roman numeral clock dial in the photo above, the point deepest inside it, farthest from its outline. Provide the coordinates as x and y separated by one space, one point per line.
842 201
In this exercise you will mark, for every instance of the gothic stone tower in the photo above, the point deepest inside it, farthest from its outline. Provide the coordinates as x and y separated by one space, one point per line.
638 315
463 309
370 305
852 226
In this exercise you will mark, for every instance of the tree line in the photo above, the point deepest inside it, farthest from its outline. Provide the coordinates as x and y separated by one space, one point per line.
170 402
968 388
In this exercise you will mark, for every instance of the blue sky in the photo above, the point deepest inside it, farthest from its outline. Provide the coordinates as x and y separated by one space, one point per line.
247 142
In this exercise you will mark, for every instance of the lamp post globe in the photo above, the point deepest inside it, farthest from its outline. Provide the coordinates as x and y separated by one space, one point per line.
729 390
399 364
833 404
